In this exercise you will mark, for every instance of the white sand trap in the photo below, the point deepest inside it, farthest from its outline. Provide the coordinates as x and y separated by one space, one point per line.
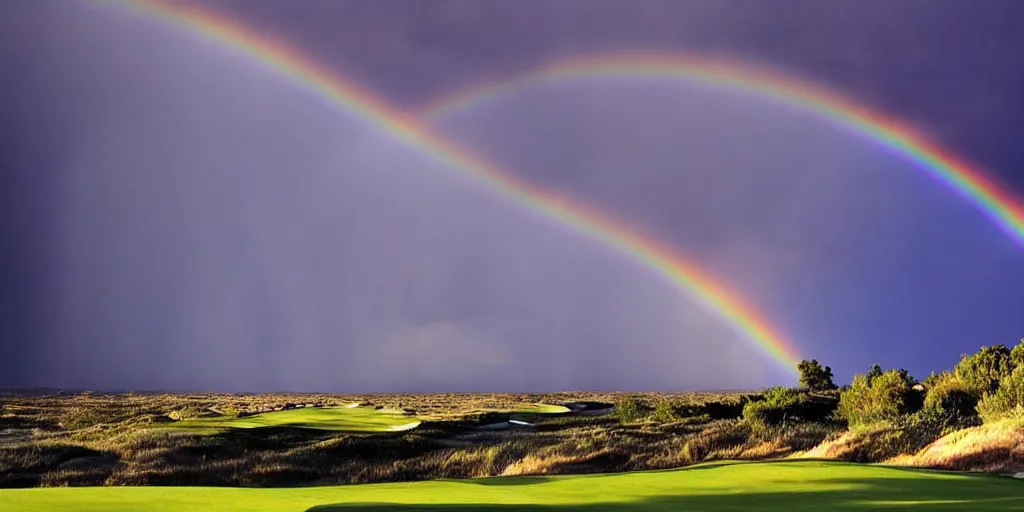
520 423
407 426
352 405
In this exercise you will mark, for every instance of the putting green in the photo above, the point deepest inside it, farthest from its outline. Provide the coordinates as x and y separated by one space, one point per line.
788 486
342 419
540 409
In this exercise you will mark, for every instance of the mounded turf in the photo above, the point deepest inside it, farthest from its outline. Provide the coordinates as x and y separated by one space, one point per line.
769 486
341 419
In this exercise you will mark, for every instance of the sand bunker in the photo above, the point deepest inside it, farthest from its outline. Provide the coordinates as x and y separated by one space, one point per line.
407 426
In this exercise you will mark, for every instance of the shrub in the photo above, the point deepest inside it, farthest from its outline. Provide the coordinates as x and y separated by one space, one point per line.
886 397
231 411
913 432
805 436
723 409
665 411
762 416
185 412
782 407
82 417
715 442
771 411
1017 354
904 435
818 407
779 396
1005 402
982 371
932 379
814 376
949 397
629 409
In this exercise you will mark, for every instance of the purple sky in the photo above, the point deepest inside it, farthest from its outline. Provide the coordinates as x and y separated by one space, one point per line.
178 218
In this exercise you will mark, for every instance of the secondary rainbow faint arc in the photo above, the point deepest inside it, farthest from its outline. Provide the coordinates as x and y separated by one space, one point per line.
995 202
580 218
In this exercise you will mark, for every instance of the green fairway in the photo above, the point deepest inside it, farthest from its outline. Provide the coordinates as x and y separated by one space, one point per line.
342 419
790 485
540 409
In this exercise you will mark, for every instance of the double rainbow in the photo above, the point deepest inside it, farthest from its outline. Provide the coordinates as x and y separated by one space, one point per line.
340 93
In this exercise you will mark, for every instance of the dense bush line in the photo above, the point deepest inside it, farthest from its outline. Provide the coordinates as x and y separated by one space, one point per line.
987 385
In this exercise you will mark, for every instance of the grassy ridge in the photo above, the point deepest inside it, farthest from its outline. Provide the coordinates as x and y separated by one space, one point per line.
803 485
337 419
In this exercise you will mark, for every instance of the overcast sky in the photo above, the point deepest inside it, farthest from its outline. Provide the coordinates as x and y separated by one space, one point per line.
176 217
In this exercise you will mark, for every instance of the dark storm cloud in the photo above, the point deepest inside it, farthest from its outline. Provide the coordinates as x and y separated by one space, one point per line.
945 65
213 229
177 219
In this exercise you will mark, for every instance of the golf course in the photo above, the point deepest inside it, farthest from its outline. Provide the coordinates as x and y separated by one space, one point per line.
789 485
337 419
506 256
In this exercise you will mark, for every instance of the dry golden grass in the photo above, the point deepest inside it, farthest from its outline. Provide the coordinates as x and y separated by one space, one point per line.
118 440
997 447
95 439
881 441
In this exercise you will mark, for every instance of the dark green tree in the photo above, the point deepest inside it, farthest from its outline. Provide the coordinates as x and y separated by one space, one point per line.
814 376
876 371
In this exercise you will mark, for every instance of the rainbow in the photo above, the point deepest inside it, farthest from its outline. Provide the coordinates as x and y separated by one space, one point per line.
993 201
579 218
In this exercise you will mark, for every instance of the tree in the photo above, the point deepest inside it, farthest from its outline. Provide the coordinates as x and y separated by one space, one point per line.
876 371
982 371
814 376
905 375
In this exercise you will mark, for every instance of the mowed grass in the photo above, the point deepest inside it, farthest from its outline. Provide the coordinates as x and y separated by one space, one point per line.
788 485
340 419
540 409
